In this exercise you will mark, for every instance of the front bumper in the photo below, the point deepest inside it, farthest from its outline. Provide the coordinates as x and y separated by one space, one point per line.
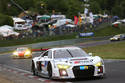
113 39
75 72
83 73
24 56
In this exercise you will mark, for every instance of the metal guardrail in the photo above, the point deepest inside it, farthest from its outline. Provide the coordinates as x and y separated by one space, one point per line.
54 43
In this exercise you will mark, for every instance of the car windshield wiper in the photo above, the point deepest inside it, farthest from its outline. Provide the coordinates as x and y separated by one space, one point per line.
70 53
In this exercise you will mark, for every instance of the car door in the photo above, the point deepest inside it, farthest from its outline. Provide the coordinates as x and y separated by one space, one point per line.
42 64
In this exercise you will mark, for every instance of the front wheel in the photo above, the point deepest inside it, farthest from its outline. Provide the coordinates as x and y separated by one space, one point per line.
33 69
119 39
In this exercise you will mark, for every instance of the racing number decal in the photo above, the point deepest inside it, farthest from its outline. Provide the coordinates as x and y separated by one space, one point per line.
45 63
41 65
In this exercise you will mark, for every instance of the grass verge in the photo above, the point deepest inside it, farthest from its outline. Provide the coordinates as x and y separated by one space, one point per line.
109 51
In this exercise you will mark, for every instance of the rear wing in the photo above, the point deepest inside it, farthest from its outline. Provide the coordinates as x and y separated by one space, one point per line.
35 50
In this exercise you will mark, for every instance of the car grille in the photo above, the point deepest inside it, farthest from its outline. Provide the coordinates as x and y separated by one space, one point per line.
83 73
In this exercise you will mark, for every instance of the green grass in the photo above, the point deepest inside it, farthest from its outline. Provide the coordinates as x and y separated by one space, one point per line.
109 51
109 31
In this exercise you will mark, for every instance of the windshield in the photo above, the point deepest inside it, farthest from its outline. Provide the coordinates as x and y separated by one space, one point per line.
21 49
117 36
69 53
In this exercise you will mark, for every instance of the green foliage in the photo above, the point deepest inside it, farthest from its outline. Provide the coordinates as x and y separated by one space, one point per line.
9 8
95 7
5 20
74 7
3 6
57 5
119 9
112 7
68 7
25 4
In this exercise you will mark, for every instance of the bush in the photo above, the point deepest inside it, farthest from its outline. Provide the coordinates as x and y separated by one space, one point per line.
5 20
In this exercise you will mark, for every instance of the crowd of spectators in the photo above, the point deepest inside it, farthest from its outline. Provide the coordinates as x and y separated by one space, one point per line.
45 30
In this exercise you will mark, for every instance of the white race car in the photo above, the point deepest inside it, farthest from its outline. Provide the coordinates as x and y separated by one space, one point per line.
67 63
118 37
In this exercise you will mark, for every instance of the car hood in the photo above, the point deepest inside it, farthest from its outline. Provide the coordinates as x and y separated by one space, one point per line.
77 61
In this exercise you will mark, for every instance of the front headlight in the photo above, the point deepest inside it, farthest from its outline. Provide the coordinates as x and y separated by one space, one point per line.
27 53
15 53
98 64
111 38
60 66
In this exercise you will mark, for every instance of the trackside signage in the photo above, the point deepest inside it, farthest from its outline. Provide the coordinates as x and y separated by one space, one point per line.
86 34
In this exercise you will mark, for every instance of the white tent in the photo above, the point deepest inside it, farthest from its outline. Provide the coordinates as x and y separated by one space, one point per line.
58 17
71 25
16 20
62 22
7 31
116 23
7 27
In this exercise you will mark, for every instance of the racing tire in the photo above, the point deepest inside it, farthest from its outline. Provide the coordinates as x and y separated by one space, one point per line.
119 39
14 57
34 70
27 56
49 69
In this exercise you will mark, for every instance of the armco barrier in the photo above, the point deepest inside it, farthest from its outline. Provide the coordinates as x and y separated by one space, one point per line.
53 43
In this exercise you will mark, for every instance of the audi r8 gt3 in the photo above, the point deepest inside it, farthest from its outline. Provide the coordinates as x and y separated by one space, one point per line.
22 52
67 63
118 37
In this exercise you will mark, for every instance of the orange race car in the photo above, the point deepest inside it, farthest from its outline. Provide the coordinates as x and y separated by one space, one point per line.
22 52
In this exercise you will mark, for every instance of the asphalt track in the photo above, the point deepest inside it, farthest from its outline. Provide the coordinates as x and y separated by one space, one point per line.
115 69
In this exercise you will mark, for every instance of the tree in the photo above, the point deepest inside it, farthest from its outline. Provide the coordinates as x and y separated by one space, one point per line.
68 7
119 9
75 7
5 20
14 9
3 6
95 7
57 5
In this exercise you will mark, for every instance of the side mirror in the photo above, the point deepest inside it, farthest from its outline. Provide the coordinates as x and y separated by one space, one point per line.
90 54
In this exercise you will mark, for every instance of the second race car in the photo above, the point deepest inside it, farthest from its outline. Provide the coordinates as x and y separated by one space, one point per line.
67 63
22 52
118 37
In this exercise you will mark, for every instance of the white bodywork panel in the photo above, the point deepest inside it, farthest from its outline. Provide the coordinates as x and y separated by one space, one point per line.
69 63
